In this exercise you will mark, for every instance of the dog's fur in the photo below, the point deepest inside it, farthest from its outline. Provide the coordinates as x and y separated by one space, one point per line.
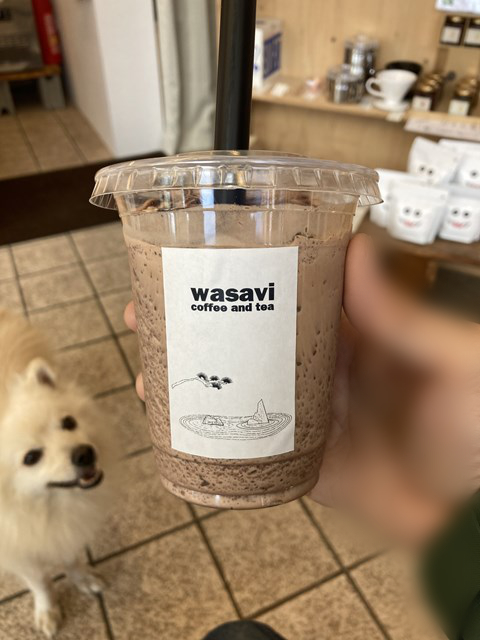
42 527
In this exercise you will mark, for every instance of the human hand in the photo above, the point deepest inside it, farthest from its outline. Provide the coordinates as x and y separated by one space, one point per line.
404 447
131 322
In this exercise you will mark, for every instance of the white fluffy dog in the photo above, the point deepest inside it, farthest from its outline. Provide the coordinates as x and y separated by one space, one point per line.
56 459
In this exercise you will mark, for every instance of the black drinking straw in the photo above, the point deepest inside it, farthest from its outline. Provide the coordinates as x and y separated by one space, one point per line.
234 76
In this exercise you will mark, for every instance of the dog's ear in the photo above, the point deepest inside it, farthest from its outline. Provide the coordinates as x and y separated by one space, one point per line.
39 371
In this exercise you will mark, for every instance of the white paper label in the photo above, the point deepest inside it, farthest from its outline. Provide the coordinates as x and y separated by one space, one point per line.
472 37
458 107
231 339
421 103
451 35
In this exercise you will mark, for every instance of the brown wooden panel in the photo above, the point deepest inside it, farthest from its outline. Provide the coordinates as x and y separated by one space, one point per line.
315 30
321 134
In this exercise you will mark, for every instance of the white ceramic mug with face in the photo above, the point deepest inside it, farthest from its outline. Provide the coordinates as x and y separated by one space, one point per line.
393 86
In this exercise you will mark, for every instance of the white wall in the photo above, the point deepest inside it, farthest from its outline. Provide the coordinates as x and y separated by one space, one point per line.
112 67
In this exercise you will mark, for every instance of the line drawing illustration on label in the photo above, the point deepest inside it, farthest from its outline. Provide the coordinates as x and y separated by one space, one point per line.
253 427
215 382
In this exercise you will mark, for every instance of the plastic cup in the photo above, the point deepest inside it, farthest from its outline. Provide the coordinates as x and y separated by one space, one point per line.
237 263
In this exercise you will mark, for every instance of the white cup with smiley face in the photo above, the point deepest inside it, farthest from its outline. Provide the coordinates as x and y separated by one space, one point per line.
462 218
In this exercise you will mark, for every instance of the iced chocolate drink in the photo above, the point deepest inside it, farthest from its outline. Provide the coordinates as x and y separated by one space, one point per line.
237 295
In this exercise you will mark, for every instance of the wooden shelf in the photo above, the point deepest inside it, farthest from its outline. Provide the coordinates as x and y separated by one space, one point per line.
361 110
321 103
31 74
440 250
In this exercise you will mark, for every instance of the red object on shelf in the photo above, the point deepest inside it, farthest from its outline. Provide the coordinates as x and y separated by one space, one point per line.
47 32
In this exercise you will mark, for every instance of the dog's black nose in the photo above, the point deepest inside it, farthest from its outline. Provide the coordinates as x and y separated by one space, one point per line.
83 456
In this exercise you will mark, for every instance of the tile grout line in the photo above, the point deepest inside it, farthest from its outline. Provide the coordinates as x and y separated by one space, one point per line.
346 572
104 313
314 585
17 279
60 305
141 543
72 263
111 392
47 270
86 343
358 563
98 259
28 143
101 601
13 596
91 341
137 452
216 561
296 594
70 137
209 516
105 616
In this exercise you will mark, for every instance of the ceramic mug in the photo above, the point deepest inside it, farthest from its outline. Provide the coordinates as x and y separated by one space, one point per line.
393 85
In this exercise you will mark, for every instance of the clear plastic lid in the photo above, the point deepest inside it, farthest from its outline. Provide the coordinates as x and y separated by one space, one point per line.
234 170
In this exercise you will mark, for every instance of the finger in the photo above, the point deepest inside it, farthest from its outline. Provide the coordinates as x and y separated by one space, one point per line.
129 316
330 489
390 318
341 383
139 387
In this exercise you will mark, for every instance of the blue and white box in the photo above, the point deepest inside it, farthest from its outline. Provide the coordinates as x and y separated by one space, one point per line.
268 52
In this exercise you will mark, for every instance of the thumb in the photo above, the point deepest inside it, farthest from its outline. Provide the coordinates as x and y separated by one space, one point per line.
398 322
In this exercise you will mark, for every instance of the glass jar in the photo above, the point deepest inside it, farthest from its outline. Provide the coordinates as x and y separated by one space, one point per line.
462 102
452 32
472 83
437 80
423 97
360 54
343 85
472 33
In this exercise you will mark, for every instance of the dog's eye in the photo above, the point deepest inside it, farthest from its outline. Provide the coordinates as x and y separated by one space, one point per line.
32 457
69 423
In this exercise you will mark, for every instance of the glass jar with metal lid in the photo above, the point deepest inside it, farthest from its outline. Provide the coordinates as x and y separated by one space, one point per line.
424 95
472 80
343 85
462 102
360 54
472 33
472 83
452 32
438 81
435 75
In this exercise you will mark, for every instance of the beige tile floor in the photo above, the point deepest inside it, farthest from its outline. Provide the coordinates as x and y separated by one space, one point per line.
174 571
36 140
